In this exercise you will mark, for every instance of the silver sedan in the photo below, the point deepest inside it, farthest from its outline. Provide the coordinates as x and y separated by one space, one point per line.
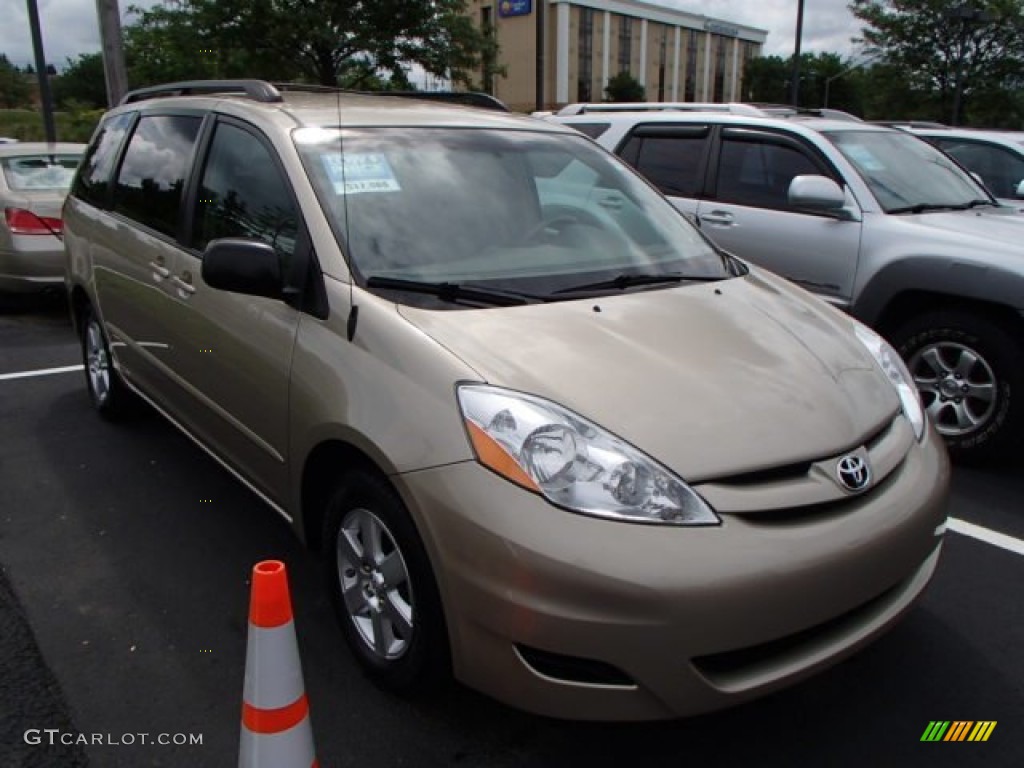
34 179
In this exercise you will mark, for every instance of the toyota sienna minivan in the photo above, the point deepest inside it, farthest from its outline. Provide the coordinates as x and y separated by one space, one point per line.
545 435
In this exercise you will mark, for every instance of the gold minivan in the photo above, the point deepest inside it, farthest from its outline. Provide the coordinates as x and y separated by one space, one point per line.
546 436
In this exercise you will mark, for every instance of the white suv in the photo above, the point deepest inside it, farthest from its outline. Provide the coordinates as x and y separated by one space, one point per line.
997 157
869 218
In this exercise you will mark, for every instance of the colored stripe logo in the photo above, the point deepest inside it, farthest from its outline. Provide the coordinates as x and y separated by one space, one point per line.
958 730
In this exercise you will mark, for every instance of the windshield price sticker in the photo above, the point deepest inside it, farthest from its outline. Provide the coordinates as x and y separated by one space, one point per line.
357 173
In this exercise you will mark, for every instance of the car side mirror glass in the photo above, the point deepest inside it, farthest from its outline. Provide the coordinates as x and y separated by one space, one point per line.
243 266
816 193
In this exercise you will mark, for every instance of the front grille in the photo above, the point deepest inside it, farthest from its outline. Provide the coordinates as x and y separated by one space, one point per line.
799 490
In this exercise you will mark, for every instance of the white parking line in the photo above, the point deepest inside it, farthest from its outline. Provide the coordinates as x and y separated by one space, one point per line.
987 535
40 372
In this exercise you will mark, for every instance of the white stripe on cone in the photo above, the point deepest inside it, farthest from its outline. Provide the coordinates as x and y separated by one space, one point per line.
273 673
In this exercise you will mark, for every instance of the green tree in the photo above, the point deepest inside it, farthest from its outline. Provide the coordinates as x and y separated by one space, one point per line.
321 41
14 90
624 87
954 49
767 80
82 82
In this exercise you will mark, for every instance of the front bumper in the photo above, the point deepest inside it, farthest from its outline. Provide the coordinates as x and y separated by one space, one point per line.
694 619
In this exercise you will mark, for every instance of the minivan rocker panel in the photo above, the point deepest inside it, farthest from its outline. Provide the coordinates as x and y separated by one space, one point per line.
769 336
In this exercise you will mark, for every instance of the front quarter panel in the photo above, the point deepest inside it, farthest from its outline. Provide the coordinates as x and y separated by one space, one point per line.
390 392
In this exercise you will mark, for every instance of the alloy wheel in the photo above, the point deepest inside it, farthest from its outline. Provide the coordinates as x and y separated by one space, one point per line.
375 584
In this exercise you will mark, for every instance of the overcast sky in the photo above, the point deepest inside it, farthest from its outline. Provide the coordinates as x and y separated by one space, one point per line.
70 27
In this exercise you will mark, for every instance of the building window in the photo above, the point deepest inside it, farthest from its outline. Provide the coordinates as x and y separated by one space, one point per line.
661 64
585 51
719 87
690 91
625 43
487 63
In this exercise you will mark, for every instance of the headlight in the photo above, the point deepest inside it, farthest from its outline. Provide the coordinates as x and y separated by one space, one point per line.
892 366
572 462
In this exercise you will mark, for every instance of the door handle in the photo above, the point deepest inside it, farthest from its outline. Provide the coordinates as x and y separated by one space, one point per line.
184 284
160 272
723 218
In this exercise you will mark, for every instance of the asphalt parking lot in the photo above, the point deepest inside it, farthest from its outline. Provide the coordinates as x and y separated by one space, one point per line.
127 550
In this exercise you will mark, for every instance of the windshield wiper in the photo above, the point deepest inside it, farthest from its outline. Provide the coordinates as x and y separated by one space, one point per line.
629 279
924 207
454 291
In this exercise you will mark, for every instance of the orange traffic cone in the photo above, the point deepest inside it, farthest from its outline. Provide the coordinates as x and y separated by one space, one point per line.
276 732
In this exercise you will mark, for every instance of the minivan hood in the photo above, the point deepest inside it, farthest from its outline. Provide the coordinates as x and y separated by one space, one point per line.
710 379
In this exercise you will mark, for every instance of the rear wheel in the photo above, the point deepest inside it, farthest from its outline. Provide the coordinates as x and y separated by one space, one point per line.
382 585
971 377
106 390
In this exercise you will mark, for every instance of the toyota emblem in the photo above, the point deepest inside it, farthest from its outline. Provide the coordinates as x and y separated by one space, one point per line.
854 472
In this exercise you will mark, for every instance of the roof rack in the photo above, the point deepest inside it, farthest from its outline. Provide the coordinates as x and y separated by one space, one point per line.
910 123
787 110
734 108
465 98
270 93
257 90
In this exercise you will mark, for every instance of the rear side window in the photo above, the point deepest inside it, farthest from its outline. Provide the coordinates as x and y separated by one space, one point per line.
152 177
243 194
758 173
671 159
93 180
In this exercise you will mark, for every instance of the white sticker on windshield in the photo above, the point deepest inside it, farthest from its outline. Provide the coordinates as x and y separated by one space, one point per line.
863 157
357 173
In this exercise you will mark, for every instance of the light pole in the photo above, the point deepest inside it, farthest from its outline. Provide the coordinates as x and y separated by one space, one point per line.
848 70
44 77
967 14
796 52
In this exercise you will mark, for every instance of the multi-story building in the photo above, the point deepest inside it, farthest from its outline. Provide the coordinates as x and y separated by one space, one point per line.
675 55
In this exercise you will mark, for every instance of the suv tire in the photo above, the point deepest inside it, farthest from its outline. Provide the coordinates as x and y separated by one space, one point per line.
382 586
971 377
110 397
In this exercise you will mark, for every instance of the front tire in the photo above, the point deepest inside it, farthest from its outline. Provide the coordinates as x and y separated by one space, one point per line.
382 586
970 373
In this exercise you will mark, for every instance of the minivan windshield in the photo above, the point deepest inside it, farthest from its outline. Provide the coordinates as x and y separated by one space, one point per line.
534 213
907 174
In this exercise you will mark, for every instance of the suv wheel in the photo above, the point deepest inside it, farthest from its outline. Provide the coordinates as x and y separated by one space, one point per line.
382 586
971 378
106 390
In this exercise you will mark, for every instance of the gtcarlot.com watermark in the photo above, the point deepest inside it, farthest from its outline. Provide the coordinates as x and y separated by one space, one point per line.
54 736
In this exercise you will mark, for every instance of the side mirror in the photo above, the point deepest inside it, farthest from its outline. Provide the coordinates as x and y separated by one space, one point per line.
816 193
243 266
1020 190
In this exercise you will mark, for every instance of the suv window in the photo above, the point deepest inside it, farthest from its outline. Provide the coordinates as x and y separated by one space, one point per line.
242 194
757 170
152 177
1001 169
93 177
671 160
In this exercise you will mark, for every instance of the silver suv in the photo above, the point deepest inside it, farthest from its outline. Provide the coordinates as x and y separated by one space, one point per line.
872 220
